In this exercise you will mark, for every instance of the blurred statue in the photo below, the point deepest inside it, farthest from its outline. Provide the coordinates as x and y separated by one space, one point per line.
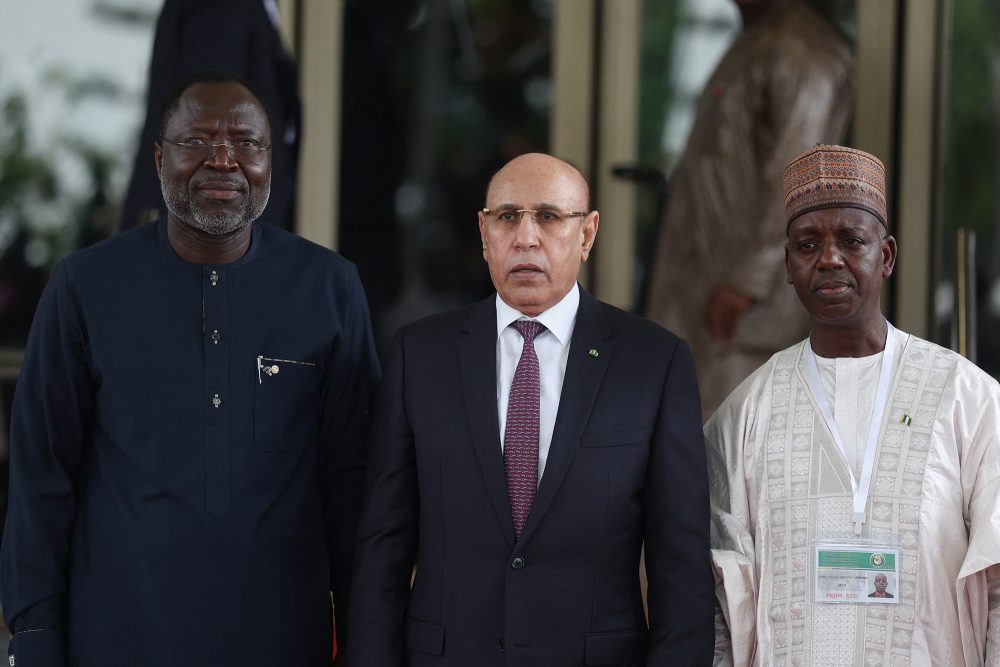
719 276
232 35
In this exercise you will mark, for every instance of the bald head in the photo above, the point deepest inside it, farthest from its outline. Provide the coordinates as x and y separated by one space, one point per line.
542 167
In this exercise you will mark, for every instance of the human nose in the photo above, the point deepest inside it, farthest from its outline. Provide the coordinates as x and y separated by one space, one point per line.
227 161
526 231
829 256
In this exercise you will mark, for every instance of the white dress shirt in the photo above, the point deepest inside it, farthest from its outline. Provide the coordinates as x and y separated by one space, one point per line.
552 349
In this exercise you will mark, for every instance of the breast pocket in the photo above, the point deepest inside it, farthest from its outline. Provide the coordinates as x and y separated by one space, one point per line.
622 454
285 405
632 436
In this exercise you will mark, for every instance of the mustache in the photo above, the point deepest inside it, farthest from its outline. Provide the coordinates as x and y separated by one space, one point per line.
215 181
838 278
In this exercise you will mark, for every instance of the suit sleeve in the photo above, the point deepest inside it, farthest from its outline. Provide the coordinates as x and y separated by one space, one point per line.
50 431
350 383
387 534
681 601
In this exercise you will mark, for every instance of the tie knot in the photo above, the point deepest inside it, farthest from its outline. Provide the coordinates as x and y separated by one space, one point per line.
529 329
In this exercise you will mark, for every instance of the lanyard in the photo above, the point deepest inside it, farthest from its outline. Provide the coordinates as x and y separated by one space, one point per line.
861 488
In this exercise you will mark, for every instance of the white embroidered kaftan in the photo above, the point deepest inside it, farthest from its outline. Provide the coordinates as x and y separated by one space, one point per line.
779 482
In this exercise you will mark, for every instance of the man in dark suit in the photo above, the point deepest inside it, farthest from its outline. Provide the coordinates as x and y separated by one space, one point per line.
232 35
525 449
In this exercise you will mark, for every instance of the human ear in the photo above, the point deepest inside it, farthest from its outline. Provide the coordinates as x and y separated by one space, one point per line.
482 231
590 225
888 255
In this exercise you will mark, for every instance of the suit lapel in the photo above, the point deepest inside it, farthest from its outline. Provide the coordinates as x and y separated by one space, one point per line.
477 356
590 352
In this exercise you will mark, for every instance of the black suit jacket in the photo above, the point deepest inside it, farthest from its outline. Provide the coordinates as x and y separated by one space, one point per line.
626 466
232 35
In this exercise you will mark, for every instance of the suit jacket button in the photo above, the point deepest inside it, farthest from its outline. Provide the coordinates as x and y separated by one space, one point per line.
501 646
518 563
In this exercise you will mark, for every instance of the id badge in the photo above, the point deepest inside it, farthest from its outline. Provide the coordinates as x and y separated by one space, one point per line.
860 574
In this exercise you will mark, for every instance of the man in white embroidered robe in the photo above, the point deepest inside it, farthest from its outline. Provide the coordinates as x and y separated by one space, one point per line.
781 484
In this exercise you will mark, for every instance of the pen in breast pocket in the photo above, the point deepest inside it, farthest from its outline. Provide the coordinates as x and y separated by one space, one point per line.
267 366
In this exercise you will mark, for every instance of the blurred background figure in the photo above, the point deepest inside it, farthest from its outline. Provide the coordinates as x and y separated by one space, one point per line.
718 277
233 35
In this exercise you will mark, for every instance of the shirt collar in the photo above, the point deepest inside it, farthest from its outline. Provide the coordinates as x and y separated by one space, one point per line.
559 319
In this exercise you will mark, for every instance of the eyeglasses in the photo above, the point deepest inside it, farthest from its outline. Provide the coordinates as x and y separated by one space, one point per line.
541 215
245 149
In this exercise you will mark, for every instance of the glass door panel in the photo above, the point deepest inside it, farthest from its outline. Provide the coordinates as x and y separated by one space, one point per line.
968 179
437 95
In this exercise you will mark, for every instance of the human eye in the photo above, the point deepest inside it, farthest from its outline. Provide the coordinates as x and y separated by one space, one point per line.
548 215
806 245
194 141
507 216
248 148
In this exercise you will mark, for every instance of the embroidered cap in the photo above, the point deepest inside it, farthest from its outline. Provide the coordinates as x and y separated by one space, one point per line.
835 177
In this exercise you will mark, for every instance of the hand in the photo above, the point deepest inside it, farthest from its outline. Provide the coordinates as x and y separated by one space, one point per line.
725 307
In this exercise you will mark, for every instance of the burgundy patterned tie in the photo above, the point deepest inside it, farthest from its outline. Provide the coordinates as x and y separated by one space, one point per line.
520 443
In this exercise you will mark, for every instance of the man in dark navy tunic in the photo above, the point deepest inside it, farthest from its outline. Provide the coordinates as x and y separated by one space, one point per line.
188 433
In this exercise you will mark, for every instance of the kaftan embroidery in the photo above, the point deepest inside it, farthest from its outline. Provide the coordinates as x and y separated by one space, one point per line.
808 494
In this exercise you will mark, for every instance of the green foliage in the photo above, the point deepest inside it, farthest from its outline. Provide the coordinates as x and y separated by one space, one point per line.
971 109
970 171
34 198
659 23
24 175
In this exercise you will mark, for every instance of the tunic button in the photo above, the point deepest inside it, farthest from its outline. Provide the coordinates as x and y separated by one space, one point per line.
501 646
214 277
216 401
215 336
518 563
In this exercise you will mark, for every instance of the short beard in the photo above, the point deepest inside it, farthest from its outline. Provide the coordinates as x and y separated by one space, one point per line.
218 223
